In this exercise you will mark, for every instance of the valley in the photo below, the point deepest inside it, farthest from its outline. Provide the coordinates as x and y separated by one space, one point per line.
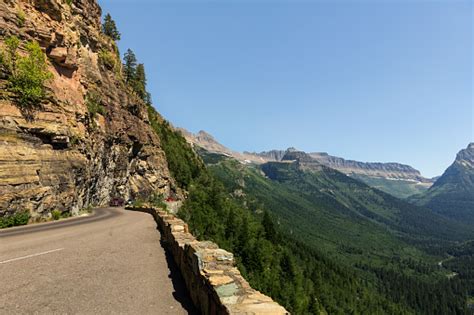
349 222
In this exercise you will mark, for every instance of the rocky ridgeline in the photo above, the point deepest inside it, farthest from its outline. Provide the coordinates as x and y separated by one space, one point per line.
394 171
62 156
351 167
214 283
374 169
459 176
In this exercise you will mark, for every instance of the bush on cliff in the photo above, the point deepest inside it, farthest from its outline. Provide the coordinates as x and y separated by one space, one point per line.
108 59
26 74
18 218
94 104
56 214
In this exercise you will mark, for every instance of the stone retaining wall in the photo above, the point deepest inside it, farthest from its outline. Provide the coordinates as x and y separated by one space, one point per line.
214 283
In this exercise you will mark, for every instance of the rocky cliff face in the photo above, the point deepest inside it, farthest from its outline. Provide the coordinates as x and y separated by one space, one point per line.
272 155
387 170
460 175
60 156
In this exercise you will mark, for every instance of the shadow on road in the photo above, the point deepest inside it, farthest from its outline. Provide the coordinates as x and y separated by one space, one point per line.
180 293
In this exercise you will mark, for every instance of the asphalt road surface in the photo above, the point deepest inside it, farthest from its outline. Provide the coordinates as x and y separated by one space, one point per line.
108 263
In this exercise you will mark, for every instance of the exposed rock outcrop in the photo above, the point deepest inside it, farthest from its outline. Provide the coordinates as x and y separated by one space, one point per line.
63 157
376 169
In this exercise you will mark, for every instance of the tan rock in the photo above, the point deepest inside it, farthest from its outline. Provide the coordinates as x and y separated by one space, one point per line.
58 54
61 158
269 308
217 280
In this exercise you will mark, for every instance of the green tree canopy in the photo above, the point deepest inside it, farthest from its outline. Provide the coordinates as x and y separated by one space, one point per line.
140 82
130 66
109 28
27 74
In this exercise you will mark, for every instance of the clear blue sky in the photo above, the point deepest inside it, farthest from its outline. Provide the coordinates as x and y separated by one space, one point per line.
365 80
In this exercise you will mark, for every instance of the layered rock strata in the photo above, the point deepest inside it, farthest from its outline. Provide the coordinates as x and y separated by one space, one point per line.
60 155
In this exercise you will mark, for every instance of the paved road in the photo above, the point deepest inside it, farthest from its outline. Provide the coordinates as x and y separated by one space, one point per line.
108 263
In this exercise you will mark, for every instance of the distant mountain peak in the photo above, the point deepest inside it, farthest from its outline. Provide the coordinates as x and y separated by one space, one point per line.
453 193
204 134
466 156
389 172
293 154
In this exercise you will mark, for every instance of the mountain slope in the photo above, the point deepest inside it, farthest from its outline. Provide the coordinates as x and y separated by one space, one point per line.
452 195
394 178
361 228
397 179
325 204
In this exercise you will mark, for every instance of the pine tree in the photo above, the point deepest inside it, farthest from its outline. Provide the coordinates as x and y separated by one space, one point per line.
269 227
130 66
140 82
109 28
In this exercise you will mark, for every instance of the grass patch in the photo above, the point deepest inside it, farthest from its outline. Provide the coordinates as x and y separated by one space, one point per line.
94 104
108 59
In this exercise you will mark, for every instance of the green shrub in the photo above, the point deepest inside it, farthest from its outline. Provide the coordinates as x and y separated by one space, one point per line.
8 54
138 203
94 104
56 214
20 14
27 74
18 218
108 59
157 200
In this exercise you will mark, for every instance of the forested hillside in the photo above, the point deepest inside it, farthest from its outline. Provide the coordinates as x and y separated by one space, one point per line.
298 260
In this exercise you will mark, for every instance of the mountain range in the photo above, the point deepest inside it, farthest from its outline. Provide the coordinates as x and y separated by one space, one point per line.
450 195
397 179
390 241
